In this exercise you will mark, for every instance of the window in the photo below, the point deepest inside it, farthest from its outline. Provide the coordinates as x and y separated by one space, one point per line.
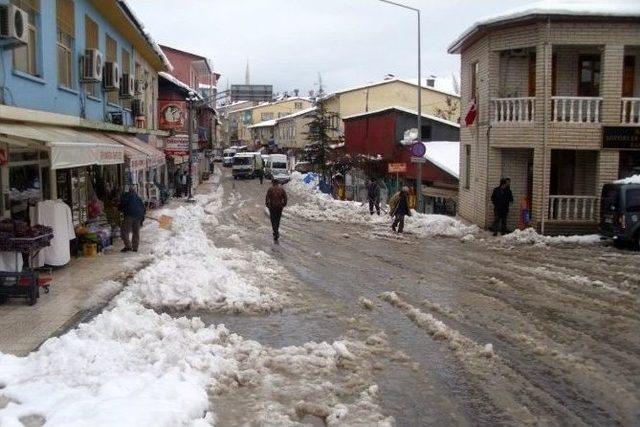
297 105
91 42
25 58
66 40
633 200
467 166
475 68
266 116
589 75
126 69
112 56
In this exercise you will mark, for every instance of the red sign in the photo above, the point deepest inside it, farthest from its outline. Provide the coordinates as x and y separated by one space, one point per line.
470 118
172 114
4 157
397 167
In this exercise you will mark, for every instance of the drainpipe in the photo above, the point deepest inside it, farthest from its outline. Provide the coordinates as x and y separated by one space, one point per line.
545 121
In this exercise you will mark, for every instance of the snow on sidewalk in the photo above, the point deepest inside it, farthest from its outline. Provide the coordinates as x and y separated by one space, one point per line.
134 366
323 207
529 236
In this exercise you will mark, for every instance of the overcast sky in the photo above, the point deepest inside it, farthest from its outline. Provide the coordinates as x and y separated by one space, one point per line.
288 42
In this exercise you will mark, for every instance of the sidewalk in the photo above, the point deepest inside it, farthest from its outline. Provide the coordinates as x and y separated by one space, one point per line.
76 290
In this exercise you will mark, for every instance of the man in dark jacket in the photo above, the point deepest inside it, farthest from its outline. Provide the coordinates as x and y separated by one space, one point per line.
401 210
373 194
134 211
276 201
501 198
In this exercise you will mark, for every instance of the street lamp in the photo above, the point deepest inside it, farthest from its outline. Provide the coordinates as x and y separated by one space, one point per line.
192 98
419 175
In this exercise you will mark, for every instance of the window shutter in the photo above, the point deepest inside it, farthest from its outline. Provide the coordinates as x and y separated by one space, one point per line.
66 17
91 29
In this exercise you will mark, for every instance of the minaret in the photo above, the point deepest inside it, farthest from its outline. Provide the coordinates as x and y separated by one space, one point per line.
247 77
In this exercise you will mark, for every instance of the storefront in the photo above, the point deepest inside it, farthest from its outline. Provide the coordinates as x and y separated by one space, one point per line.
48 162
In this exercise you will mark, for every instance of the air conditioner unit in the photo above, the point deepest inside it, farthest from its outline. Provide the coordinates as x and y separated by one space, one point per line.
13 26
92 66
139 87
139 108
111 76
126 86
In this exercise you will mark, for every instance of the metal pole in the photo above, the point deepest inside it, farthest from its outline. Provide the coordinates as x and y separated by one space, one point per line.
190 163
419 177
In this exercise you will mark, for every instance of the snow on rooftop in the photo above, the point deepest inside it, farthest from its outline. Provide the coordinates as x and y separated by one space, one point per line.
443 86
298 113
635 179
264 124
557 8
177 82
445 155
405 110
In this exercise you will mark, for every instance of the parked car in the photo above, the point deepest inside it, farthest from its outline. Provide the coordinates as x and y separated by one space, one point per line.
245 165
227 157
277 164
620 213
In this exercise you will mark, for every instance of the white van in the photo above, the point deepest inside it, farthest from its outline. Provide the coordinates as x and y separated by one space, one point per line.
227 157
245 165
277 165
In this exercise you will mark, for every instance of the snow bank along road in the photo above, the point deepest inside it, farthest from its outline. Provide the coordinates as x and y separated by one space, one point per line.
471 328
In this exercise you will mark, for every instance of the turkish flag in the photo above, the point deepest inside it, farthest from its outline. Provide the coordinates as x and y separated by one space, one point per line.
470 118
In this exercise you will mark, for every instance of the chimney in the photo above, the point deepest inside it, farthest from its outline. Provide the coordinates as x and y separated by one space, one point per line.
431 81
296 92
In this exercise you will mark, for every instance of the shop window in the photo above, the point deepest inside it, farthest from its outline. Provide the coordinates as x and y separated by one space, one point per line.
26 58
25 187
92 42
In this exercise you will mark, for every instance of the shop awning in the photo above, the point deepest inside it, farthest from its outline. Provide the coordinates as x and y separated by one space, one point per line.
154 157
136 160
446 193
69 148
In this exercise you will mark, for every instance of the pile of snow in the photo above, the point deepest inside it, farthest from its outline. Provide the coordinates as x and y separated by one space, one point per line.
635 179
189 272
134 366
529 236
323 207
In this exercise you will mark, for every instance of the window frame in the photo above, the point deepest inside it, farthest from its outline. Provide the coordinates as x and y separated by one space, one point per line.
91 89
111 55
32 48
65 47
467 166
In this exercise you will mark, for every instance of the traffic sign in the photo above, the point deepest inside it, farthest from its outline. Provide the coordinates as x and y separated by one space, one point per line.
397 167
418 160
418 149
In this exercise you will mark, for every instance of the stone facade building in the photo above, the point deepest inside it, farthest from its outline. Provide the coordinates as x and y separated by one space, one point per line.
556 91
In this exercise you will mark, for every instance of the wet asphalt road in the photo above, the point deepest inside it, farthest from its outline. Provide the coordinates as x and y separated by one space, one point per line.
564 322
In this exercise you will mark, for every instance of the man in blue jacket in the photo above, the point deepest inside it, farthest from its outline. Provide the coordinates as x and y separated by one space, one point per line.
134 211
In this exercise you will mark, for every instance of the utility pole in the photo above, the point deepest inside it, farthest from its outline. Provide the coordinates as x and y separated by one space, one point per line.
419 175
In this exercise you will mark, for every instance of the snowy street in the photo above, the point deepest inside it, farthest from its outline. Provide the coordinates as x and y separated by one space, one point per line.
344 323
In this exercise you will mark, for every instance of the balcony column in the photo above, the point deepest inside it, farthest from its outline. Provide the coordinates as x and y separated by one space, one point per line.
544 67
611 84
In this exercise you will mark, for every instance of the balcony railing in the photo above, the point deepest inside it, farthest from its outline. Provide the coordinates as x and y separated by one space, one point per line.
576 109
573 208
513 110
630 111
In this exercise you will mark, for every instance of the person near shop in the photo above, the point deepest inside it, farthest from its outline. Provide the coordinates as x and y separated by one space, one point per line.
260 173
177 183
501 198
400 209
184 181
133 210
373 194
276 201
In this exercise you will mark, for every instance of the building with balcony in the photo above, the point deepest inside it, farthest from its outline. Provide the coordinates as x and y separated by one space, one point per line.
557 96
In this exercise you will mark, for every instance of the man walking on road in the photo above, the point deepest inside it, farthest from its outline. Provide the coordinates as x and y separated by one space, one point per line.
373 194
400 210
501 198
134 211
276 202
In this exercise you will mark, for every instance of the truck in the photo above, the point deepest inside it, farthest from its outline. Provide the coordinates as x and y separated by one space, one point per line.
246 165
276 165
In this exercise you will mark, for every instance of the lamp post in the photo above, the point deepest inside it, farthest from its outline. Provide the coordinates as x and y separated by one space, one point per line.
192 98
419 175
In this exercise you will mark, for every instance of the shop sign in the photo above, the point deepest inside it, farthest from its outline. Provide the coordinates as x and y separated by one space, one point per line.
178 143
172 114
397 167
109 155
4 157
136 163
621 137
